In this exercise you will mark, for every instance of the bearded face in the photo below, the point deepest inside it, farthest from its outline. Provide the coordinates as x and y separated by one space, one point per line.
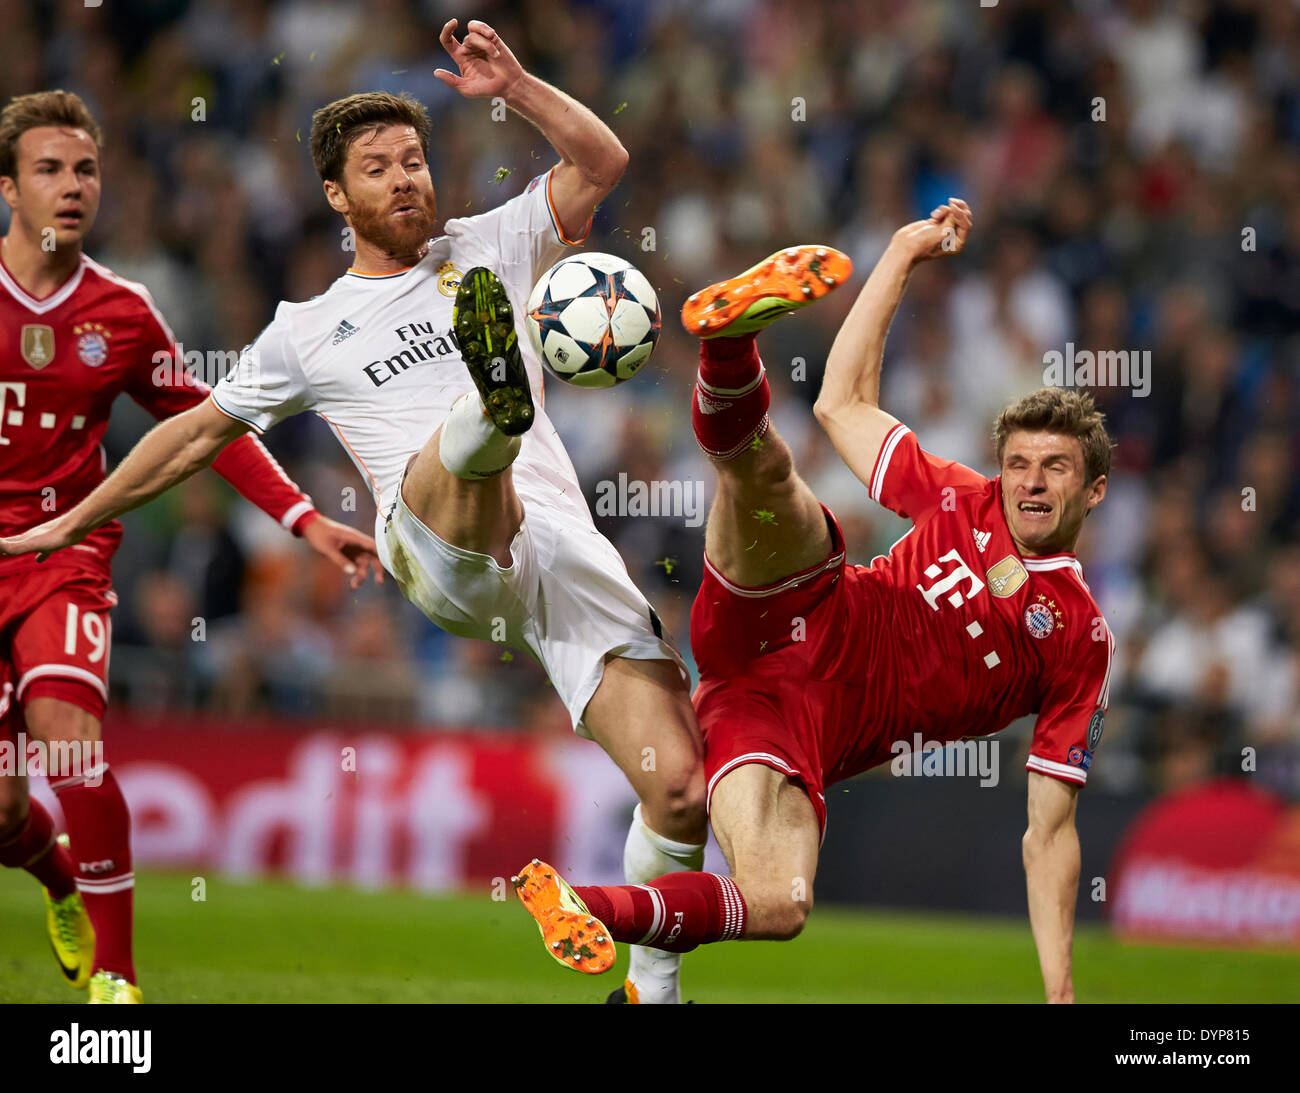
387 193
398 225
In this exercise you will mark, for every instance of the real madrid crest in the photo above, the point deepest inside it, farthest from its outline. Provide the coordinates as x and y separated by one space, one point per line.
448 279
92 343
38 345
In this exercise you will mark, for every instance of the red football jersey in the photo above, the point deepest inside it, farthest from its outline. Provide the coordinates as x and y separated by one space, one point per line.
980 635
63 360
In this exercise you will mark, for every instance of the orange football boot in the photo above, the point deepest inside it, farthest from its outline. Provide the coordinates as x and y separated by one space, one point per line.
572 935
786 281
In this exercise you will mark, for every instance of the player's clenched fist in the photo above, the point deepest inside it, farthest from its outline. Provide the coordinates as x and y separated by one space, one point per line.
942 234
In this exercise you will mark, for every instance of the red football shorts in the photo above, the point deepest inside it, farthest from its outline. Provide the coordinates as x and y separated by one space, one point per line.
786 674
54 640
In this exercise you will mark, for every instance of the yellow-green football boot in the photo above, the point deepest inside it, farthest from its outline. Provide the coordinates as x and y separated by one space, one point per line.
108 988
484 323
71 935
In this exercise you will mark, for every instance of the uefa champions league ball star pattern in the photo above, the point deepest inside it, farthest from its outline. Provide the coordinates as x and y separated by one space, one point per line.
594 320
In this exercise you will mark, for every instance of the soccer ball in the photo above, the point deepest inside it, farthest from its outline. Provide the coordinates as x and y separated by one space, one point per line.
594 320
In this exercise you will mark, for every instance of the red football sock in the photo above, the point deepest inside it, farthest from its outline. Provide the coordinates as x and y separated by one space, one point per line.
729 362
675 912
731 397
100 828
32 847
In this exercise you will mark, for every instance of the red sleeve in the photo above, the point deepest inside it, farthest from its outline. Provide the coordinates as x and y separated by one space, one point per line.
1073 711
253 471
163 387
159 381
912 482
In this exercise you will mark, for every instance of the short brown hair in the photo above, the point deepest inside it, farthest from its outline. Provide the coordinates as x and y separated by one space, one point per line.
336 126
58 108
1059 410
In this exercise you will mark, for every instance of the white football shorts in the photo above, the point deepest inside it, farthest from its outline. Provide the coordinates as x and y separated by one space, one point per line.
567 598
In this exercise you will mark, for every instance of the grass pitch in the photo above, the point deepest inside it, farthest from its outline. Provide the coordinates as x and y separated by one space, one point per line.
273 942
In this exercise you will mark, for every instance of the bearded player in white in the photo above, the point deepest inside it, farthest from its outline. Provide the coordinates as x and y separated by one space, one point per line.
480 515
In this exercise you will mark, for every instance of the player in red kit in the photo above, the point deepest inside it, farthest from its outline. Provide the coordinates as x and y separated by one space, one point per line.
73 336
812 670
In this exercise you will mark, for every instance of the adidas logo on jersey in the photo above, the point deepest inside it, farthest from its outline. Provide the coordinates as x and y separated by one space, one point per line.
981 539
344 332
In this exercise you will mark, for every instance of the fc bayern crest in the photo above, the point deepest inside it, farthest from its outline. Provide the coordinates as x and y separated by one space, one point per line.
92 348
92 343
1039 620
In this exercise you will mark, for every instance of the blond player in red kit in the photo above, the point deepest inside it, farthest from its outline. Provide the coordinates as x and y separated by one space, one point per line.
73 336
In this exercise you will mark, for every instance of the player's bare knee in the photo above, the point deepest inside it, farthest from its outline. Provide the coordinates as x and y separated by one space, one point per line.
674 805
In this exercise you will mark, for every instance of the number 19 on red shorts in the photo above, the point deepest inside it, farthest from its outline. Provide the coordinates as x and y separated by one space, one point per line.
55 637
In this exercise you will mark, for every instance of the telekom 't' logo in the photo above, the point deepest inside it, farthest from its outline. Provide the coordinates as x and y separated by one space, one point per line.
949 582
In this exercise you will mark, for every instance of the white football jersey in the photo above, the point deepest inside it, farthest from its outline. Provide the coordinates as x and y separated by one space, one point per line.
376 358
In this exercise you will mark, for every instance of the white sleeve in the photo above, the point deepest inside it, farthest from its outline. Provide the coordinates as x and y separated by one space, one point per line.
267 385
523 235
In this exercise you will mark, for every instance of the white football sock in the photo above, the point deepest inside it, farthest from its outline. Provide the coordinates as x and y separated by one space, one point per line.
647 855
470 445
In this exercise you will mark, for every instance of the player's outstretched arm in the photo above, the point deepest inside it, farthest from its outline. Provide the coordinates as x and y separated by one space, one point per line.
167 454
592 159
1051 854
848 407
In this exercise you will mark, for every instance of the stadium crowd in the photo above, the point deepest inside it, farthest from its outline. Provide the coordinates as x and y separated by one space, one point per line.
1133 166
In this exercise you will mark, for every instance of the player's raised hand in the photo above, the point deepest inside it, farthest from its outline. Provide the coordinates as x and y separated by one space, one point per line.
487 67
941 235
42 540
351 550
